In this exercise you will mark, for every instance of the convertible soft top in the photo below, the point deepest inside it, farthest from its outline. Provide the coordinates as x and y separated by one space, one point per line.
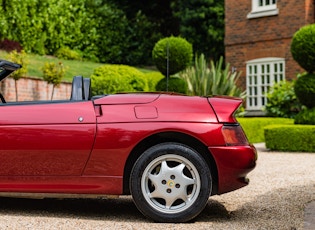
7 68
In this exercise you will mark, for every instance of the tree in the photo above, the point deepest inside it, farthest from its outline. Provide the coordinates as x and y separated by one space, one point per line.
202 23
19 58
53 74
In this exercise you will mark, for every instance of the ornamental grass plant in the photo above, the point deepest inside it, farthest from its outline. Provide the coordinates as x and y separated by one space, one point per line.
211 78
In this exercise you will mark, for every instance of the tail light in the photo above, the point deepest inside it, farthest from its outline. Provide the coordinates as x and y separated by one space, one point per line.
234 135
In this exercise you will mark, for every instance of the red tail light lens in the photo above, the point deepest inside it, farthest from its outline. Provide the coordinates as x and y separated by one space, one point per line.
234 135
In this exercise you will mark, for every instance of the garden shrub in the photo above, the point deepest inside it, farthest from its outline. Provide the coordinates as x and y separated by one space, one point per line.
68 54
290 138
306 116
175 51
305 89
212 79
10 45
303 47
153 78
173 84
109 79
254 126
282 101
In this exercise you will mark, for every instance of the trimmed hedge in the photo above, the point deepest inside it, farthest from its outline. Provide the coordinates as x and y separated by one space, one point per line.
293 138
153 78
254 126
109 79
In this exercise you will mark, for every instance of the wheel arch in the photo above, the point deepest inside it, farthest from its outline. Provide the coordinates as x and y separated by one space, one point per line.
177 137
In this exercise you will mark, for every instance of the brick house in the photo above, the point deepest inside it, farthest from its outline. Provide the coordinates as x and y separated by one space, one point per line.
258 35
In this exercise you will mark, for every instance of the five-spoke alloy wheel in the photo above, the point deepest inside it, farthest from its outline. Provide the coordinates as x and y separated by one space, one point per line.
170 182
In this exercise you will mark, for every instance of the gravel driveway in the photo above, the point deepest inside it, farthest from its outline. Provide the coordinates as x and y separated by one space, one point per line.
281 186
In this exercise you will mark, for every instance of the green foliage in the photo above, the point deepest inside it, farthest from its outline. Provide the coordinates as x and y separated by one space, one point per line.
202 23
306 116
45 26
120 36
172 54
305 89
173 84
282 101
153 78
111 31
19 58
303 47
9 45
295 138
53 73
68 54
212 79
254 126
109 79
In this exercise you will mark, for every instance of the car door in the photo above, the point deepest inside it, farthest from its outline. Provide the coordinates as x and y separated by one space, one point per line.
46 139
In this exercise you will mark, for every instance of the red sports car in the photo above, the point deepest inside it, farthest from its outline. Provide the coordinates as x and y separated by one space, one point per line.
170 152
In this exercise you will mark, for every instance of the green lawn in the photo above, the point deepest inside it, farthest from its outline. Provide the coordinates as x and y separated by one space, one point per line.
73 68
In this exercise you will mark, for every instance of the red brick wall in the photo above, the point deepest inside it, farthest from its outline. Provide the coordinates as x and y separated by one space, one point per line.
247 39
33 89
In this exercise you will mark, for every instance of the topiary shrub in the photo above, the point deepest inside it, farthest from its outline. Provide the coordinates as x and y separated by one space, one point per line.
305 89
68 54
282 100
108 79
306 116
175 84
153 78
177 50
303 47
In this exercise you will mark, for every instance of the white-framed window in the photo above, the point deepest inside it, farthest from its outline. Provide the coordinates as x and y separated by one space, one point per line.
263 8
261 74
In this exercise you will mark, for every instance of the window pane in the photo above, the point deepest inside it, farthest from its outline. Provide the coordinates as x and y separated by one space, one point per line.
260 3
267 2
262 74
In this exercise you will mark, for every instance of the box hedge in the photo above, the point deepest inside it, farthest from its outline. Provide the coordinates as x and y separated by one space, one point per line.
109 79
293 138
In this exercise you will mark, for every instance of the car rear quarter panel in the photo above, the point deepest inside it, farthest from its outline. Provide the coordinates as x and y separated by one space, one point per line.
122 126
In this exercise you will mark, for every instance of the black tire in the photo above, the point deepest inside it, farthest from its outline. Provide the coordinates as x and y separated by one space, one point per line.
170 182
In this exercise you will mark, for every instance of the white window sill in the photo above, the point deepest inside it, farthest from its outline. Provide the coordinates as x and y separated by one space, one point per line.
259 14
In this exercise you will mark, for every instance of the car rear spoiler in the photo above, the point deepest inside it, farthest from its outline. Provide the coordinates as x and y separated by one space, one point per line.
225 107
6 68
